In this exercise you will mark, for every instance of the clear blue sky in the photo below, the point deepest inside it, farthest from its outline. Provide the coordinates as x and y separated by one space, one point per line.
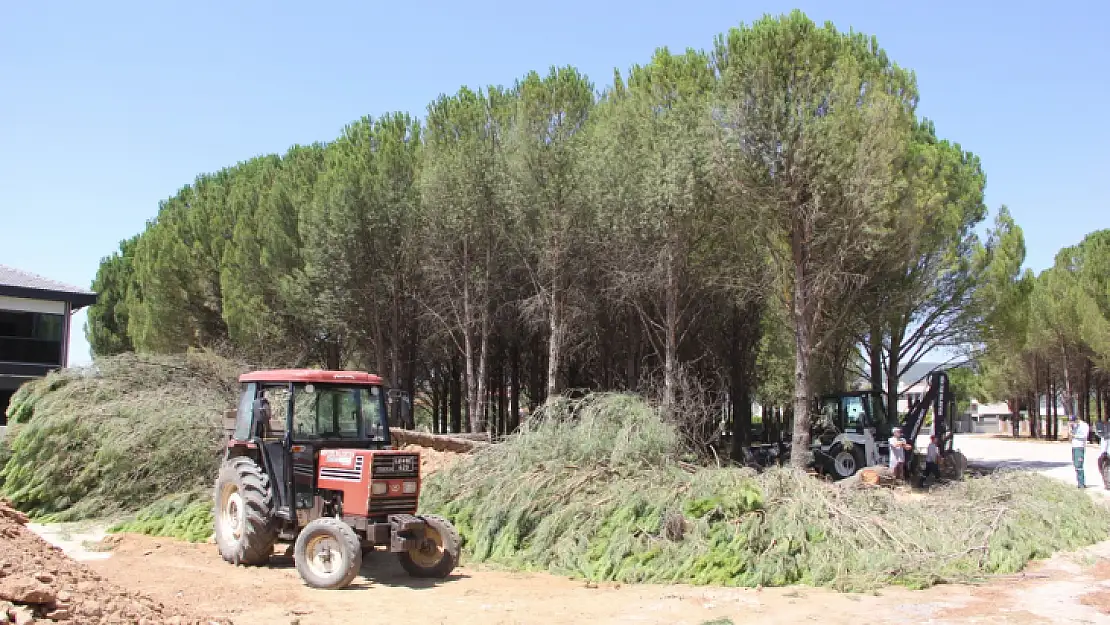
108 107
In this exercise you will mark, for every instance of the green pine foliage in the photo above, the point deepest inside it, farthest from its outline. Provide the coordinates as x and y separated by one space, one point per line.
116 436
185 517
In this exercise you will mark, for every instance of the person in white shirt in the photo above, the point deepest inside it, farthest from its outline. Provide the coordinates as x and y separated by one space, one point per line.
898 448
932 461
1079 432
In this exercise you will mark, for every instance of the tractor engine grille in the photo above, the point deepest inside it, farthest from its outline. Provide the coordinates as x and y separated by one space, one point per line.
395 466
393 505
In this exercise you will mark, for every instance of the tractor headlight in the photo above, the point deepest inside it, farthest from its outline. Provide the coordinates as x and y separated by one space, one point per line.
378 488
409 487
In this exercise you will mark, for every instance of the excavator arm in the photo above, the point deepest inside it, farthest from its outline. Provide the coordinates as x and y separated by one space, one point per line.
939 398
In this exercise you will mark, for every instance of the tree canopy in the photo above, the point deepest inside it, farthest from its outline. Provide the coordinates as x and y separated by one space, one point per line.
713 228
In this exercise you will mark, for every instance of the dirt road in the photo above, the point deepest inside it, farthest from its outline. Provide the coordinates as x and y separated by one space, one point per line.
1068 589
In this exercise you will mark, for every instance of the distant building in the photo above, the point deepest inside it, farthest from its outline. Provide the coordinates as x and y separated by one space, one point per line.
35 314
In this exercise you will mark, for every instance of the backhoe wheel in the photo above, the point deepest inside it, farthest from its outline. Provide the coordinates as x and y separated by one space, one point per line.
246 529
845 462
439 551
328 554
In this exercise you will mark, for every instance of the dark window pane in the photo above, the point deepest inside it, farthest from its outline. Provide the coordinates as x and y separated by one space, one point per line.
31 337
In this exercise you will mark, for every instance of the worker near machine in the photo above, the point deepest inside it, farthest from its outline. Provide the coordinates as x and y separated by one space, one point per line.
932 461
1079 432
898 449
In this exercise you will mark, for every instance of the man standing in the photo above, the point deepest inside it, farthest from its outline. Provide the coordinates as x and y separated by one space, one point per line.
1079 432
898 447
932 461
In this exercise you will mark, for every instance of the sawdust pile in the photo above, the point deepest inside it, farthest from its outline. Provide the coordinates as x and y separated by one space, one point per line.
432 460
40 584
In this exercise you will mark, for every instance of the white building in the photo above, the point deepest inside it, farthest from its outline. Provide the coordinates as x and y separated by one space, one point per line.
35 314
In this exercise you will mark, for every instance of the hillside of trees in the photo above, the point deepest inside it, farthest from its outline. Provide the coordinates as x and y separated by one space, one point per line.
764 220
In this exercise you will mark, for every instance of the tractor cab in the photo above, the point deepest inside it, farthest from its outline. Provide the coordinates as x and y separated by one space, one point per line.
309 460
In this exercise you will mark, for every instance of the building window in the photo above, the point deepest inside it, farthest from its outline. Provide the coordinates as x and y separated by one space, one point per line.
32 338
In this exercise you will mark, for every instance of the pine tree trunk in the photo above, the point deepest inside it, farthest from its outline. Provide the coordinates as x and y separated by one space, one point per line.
554 346
514 387
876 356
456 398
892 377
478 417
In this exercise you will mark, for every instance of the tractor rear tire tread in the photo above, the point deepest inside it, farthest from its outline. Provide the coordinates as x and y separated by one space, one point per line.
452 548
259 533
349 543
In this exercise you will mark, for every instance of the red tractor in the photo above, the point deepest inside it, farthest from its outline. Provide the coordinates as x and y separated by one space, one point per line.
309 461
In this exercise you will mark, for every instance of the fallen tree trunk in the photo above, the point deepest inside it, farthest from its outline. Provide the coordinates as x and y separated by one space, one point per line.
438 442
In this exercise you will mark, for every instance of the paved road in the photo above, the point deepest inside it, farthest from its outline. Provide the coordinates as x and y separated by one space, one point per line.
1050 458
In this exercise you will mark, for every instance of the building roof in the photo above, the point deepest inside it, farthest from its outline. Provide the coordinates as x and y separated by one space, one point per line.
312 375
18 283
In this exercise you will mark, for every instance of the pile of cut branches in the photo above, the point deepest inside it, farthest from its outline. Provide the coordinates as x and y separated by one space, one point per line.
116 435
599 488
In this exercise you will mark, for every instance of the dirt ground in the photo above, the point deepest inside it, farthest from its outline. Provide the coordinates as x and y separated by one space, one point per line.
1072 588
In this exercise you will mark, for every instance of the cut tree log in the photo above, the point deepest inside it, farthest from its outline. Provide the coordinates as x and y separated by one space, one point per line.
868 477
876 476
438 442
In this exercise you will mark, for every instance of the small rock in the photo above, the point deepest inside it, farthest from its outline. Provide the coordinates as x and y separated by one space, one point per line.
20 589
22 615
92 609
59 614
44 577
300 611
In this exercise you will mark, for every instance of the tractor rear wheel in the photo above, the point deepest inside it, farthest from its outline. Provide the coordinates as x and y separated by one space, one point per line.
438 553
328 554
246 529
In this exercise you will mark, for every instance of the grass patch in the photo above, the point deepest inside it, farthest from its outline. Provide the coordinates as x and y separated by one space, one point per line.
596 488
184 517
117 435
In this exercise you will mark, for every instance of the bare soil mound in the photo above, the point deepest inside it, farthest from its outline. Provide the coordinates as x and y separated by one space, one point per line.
40 584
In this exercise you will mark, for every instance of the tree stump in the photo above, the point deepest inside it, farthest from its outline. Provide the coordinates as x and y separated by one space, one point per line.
876 476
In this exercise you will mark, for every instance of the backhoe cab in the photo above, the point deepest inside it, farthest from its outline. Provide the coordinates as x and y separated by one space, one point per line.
850 432
309 461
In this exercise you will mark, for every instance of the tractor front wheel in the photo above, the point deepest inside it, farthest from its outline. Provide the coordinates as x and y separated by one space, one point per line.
438 553
328 554
245 526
